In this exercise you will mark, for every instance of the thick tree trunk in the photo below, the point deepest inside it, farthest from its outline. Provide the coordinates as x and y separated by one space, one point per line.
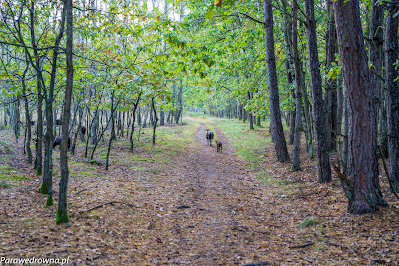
362 161
317 93
392 94
274 99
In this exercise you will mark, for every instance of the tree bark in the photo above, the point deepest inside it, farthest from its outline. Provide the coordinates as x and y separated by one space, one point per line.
375 49
47 185
362 161
331 83
27 119
62 211
162 112
392 94
155 121
296 162
112 131
250 116
134 120
317 93
274 99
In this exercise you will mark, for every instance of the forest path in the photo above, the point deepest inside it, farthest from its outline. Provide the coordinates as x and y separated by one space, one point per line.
213 221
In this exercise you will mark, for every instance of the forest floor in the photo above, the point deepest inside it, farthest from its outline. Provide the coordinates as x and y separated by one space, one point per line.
180 202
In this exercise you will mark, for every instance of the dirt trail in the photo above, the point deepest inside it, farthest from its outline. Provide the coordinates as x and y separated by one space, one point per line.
212 220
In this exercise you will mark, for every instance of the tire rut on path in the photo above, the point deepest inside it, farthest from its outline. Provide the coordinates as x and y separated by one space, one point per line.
213 217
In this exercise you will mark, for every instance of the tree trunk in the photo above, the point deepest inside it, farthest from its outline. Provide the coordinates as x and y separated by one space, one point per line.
362 161
27 119
134 119
375 49
250 117
317 93
112 131
145 119
162 112
78 130
345 140
331 84
392 94
340 107
296 163
94 125
155 121
39 128
47 185
62 211
274 100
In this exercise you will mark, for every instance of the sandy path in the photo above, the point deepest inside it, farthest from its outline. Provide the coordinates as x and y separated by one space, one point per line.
212 220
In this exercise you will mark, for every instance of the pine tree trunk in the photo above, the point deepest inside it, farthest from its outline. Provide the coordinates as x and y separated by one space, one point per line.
317 95
296 163
392 94
331 84
274 99
375 49
362 162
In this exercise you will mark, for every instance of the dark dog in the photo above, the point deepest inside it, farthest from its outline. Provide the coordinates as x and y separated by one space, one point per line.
219 147
58 140
209 136
83 130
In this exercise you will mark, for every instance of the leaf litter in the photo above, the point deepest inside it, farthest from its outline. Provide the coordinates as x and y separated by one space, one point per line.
199 207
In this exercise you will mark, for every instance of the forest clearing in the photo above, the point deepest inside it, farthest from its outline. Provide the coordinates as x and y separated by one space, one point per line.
215 132
180 202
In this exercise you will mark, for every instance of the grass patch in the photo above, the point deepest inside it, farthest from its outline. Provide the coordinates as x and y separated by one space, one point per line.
250 144
155 170
15 176
5 185
5 148
143 159
309 222
136 168
7 168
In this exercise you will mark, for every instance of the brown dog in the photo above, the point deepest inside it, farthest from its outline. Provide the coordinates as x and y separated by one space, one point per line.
219 147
